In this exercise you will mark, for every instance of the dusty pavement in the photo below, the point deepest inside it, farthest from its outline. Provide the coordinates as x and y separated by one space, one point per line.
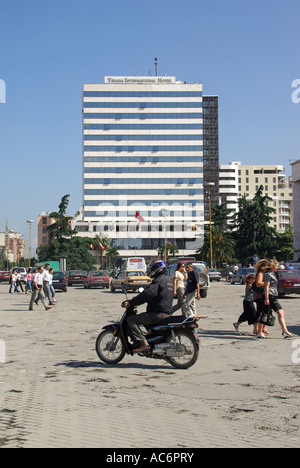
54 392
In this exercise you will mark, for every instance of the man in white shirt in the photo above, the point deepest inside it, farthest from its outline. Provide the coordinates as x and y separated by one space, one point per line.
38 292
47 280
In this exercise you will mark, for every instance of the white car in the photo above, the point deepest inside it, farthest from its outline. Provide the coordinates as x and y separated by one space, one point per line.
214 275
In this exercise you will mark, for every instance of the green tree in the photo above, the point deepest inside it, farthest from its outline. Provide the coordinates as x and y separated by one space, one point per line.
221 215
252 231
101 244
76 250
173 249
285 243
223 246
62 225
112 253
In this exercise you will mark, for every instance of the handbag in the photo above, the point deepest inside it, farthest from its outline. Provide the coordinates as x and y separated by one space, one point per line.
267 318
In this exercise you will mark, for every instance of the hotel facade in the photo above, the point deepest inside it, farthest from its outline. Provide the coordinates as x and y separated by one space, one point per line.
143 153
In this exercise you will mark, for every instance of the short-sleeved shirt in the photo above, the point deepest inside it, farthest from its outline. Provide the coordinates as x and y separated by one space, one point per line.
179 279
270 277
249 296
193 280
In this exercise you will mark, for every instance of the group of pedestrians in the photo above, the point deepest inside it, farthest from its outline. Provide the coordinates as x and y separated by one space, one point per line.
188 294
43 288
38 283
16 282
261 290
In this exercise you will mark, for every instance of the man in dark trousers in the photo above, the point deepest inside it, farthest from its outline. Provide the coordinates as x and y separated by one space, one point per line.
192 291
159 297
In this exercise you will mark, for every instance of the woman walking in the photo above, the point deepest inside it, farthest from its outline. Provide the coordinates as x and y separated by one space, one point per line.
258 293
29 279
179 288
271 296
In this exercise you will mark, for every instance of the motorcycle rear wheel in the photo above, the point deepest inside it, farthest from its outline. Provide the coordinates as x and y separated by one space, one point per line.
109 348
192 351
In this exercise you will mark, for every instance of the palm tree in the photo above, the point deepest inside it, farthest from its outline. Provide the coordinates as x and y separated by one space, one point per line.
101 244
223 246
173 249
112 253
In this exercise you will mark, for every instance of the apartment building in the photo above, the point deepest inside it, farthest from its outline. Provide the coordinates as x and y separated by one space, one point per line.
143 154
12 246
237 180
296 207
44 221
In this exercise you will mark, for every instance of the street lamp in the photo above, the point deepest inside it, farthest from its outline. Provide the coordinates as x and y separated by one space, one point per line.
208 185
30 222
165 211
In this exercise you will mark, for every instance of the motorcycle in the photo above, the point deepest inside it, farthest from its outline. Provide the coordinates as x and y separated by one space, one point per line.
174 340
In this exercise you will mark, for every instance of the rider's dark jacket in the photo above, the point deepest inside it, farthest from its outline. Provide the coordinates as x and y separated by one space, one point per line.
158 295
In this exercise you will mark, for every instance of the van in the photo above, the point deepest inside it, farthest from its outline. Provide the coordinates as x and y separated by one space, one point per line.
200 268
134 264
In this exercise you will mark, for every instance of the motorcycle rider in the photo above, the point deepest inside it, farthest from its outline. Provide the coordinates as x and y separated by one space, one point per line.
159 297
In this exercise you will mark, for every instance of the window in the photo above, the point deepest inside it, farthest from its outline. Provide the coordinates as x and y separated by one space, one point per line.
44 221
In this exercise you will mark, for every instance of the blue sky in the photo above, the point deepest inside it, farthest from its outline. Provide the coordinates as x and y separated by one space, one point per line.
247 52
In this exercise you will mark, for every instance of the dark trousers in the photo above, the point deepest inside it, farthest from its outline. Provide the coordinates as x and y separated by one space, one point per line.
249 313
145 319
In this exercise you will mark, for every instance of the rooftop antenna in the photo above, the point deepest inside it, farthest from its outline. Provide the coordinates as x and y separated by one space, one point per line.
156 64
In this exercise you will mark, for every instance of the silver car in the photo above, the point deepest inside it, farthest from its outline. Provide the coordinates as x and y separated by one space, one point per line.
241 274
214 275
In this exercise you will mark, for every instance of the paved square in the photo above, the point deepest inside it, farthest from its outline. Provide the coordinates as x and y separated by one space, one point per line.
54 392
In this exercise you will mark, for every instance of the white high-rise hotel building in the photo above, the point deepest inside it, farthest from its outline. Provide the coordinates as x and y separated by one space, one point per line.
143 152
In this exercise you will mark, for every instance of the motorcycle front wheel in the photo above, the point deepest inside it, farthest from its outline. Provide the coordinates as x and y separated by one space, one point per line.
188 345
109 348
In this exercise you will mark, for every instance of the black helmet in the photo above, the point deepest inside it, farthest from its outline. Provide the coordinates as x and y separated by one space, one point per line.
157 267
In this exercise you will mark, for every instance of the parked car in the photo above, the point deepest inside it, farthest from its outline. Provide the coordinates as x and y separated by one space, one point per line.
59 281
5 276
288 282
76 277
203 275
214 275
130 280
241 274
97 279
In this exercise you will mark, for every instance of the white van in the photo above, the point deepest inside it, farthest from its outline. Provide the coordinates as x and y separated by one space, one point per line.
134 264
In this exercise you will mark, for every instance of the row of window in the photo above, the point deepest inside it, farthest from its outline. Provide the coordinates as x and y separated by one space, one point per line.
142 94
180 204
154 115
143 127
143 159
142 170
138 181
143 137
144 148
141 105
117 214
141 192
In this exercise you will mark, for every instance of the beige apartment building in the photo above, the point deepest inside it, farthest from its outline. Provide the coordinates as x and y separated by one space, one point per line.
237 180
44 221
